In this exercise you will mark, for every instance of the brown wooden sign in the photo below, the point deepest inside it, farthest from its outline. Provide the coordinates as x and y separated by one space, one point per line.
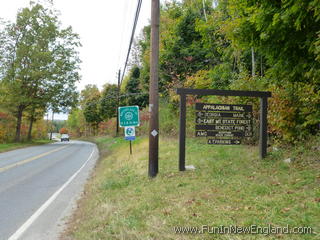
224 141
222 123
225 123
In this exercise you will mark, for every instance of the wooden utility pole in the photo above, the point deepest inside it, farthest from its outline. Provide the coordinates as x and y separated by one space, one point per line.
153 90
118 103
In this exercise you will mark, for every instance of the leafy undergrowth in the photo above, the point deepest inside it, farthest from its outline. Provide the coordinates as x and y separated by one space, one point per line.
230 186
5 147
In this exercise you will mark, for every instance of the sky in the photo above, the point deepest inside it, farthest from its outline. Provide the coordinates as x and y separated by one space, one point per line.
104 28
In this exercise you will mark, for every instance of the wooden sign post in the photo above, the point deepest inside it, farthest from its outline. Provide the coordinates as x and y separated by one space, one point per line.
225 123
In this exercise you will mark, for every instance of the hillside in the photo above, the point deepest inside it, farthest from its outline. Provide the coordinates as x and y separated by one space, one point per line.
230 186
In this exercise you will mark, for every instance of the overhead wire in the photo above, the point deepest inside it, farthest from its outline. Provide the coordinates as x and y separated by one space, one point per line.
131 38
126 16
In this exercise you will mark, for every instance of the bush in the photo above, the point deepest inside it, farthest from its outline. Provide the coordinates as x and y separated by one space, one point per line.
294 111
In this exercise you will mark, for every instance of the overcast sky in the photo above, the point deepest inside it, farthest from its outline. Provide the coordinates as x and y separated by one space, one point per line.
104 28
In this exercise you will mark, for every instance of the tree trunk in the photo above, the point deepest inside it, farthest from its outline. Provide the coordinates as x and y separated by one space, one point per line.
51 125
204 10
31 125
97 129
18 126
253 63
261 66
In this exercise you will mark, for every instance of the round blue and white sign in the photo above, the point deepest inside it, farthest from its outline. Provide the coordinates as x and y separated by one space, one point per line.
130 133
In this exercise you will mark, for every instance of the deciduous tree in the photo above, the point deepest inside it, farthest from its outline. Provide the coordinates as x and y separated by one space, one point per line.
40 61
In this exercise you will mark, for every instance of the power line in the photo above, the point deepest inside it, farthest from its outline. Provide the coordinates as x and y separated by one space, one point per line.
126 15
132 37
115 96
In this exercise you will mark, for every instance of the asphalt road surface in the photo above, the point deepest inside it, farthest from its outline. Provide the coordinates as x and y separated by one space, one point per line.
39 187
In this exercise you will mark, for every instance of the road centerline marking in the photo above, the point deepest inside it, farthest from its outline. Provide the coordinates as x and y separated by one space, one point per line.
43 207
3 169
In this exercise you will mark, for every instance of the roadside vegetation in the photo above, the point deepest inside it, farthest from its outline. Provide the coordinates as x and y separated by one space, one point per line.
230 186
5 147
238 45
39 67
233 45
226 44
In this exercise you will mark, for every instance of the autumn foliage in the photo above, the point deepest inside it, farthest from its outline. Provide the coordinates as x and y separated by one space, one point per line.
231 45
63 131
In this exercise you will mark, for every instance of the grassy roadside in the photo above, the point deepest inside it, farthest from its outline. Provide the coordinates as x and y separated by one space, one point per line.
5 147
230 186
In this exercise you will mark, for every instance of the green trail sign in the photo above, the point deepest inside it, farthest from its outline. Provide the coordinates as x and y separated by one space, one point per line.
129 116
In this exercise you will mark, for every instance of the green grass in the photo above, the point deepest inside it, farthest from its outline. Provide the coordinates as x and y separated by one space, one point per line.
5 147
230 186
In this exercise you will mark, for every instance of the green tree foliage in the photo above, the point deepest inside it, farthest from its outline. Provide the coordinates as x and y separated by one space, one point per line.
285 34
39 63
92 114
239 44
109 101
182 52
90 104
144 43
89 93
134 93
76 122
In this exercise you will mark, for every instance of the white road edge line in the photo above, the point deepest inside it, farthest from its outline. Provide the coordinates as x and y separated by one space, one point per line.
29 222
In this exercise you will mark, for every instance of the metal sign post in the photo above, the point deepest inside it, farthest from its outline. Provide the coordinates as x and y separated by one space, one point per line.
118 103
130 148
130 134
129 119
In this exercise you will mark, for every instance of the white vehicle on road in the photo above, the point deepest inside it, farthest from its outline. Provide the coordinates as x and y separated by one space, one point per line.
65 137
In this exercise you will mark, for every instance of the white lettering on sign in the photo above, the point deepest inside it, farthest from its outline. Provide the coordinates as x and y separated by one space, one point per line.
239 115
228 121
238 108
216 107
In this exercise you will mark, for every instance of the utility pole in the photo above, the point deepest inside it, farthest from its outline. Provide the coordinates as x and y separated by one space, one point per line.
118 103
153 90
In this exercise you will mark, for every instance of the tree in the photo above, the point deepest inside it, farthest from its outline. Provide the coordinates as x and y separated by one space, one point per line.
76 122
239 44
89 93
285 34
135 95
182 52
144 43
89 101
109 101
40 62
63 131
92 114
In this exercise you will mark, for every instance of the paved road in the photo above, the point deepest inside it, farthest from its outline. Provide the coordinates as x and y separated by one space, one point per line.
39 186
